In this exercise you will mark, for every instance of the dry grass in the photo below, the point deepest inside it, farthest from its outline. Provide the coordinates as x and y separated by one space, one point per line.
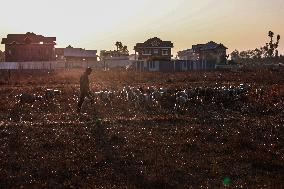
48 145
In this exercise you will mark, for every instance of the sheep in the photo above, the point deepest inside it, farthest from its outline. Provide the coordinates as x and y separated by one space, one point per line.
156 97
130 96
142 100
28 98
151 89
51 93
182 93
102 96
181 101
123 94
127 94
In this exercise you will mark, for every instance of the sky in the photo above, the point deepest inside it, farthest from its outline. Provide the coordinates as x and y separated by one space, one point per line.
95 24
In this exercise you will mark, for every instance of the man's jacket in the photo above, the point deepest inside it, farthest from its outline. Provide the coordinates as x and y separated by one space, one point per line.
84 83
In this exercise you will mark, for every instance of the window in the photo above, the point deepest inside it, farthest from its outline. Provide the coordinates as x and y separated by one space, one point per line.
146 52
165 52
152 65
156 51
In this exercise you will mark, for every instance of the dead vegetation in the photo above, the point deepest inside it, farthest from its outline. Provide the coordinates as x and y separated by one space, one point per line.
45 144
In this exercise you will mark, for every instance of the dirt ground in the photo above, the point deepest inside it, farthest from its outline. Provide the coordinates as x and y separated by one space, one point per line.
46 144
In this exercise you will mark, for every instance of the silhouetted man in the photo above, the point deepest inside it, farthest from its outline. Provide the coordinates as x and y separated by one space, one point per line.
84 88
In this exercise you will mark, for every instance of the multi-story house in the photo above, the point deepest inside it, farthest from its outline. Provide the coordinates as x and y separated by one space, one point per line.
29 47
154 55
204 56
154 49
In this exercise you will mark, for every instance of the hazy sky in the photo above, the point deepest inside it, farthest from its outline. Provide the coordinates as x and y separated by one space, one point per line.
95 24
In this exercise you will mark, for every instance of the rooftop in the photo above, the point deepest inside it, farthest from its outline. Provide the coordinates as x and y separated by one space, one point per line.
28 38
208 46
154 42
79 52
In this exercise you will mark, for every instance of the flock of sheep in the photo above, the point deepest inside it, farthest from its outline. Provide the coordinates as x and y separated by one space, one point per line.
31 98
153 97
175 99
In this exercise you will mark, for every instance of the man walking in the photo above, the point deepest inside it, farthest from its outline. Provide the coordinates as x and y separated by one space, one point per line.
84 88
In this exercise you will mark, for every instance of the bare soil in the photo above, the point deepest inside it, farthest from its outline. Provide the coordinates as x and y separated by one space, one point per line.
47 144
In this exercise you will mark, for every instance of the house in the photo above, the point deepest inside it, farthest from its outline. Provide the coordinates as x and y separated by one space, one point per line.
154 49
132 57
154 55
59 53
114 59
204 56
29 47
113 55
210 51
2 56
187 55
78 54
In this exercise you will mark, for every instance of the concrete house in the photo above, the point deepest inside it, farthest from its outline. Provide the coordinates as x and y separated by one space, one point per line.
114 59
79 54
154 55
203 56
29 47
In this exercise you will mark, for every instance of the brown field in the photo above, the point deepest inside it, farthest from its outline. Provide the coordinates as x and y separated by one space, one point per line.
46 144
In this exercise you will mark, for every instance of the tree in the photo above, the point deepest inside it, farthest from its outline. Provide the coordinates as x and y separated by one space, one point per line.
267 51
244 55
270 49
124 50
258 53
235 55
121 48
118 45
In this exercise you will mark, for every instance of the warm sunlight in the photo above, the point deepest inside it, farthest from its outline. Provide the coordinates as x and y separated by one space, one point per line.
141 94
239 24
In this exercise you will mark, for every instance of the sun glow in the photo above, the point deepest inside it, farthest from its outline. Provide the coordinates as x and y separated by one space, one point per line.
94 24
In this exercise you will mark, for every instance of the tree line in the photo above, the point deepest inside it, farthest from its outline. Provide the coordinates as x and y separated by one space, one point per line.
268 51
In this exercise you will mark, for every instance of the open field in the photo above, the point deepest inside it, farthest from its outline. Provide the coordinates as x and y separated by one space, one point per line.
213 142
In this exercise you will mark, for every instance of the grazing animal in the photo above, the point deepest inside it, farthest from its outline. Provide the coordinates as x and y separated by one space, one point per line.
28 98
51 93
142 100
181 101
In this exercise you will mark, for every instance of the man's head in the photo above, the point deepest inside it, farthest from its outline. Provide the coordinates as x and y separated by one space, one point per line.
88 70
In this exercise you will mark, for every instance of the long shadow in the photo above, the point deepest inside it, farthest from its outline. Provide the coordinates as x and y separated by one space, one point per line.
122 167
